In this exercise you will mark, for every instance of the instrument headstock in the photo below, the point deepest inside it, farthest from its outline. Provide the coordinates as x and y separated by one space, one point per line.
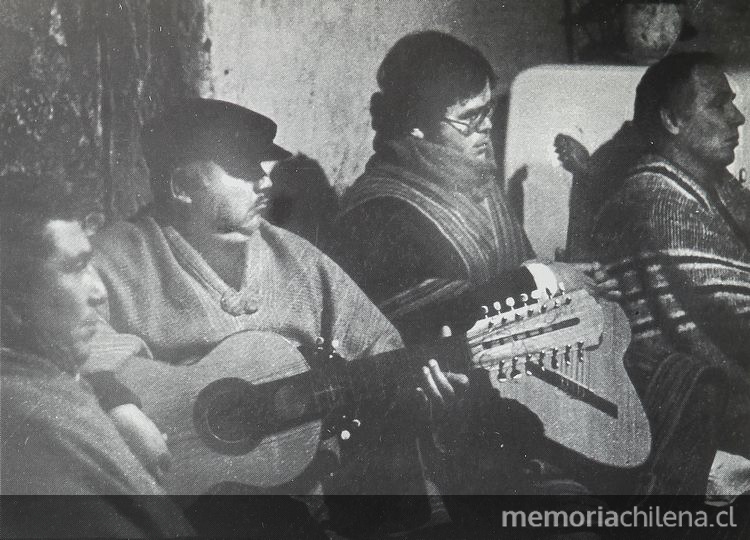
552 330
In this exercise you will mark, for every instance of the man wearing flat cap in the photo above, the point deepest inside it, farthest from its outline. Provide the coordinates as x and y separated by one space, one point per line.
202 264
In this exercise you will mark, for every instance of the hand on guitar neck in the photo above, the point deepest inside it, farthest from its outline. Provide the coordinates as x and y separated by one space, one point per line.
259 408
441 390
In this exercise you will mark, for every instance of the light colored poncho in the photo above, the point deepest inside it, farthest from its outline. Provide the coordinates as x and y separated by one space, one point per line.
162 290
57 440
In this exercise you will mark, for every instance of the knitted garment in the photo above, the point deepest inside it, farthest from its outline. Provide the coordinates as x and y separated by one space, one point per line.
57 440
162 290
679 248
48 411
683 259
418 201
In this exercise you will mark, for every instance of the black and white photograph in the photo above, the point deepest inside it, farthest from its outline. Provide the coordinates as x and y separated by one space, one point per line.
342 269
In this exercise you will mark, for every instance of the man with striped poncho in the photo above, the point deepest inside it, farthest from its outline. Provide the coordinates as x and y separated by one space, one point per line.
676 235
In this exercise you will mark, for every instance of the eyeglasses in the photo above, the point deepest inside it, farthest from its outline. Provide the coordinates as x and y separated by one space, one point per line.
472 125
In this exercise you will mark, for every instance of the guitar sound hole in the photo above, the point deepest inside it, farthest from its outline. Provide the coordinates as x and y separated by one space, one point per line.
228 416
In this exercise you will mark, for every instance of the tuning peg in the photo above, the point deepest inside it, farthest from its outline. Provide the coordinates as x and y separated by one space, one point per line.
320 341
567 354
485 312
542 297
565 298
514 372
510 302
540 360
498 306
555 363
537 294
525 302
501 376
528 363
580 351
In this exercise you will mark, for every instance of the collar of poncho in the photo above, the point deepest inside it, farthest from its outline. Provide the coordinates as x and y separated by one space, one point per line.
459 195
443 166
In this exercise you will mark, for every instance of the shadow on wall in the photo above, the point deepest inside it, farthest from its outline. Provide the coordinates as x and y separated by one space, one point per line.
512 180
304 202
302 199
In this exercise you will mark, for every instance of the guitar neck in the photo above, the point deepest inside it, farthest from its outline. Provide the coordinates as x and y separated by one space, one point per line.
549 334
389 372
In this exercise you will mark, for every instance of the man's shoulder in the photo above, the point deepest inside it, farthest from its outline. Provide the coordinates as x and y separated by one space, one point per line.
651 168
274 234
291 246
655 181
126 239
130 230
35 394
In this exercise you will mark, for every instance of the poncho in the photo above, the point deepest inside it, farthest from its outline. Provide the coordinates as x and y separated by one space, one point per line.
423 211
57 440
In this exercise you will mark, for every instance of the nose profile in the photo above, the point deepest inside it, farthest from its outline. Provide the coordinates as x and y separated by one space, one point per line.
97 291
738 117
264 183
485 125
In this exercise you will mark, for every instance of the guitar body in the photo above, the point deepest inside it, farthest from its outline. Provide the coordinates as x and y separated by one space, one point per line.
254 412
257 374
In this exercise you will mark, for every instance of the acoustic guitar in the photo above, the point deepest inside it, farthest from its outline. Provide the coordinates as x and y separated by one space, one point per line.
257 409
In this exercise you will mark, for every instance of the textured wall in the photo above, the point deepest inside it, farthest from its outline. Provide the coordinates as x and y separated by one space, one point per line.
310 64
722 27
78 79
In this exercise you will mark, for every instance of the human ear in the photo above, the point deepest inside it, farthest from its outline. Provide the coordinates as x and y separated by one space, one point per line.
179 180
669 121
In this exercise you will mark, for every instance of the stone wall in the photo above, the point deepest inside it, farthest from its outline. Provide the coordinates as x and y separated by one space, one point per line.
77 80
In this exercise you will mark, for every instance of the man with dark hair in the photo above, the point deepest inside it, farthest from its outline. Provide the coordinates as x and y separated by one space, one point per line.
202 263
429 207
427 233
676 236
57 438
428 204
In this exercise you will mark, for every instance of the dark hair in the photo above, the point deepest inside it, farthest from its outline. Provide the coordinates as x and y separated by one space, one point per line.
27 205
421 76
663 86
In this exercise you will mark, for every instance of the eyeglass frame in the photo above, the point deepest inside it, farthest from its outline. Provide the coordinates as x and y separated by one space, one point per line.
472 126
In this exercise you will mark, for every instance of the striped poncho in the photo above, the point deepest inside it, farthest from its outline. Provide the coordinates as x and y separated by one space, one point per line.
422 211
680 248
683 259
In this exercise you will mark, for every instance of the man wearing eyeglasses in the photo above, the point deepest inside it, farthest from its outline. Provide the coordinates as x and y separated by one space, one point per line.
430 203
427 233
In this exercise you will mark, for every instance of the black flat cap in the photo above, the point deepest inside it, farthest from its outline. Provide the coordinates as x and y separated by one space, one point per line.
209 129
